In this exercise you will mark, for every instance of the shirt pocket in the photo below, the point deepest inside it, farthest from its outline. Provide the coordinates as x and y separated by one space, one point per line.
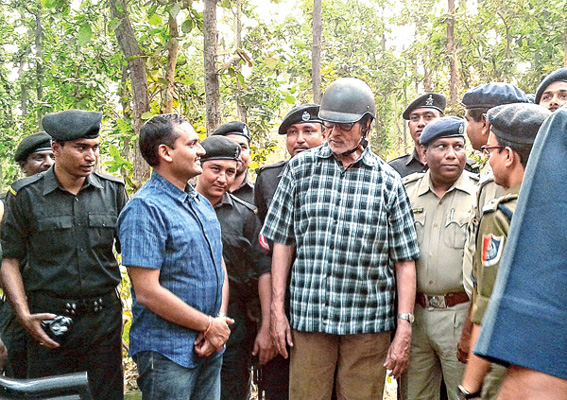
54 234
419 225
101 230
456 229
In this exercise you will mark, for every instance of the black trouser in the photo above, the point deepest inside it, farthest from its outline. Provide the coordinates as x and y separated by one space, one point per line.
15 338
94 345
237 358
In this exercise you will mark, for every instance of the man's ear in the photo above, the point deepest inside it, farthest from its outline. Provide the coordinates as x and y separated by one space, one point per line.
424 151
56 148
164 153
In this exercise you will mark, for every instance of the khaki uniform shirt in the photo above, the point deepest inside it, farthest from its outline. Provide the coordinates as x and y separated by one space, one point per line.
492 234
441 226
486 191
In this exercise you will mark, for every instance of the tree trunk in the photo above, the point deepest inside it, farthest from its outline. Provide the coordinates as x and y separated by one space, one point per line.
242 112
172 51
136 64
212 87
39 60
452 51
316 51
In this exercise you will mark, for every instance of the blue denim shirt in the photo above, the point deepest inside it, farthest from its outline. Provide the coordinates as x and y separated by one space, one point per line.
177 232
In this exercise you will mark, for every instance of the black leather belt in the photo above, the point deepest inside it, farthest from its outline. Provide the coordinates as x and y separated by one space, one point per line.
73 307
441 300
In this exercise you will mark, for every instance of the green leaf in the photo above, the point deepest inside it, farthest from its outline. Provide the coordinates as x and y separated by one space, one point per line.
289 99
113 24
187 25
155 20
85 34
147 115
270 62
113 150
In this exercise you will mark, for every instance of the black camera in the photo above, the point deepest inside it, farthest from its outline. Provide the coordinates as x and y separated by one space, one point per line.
57 328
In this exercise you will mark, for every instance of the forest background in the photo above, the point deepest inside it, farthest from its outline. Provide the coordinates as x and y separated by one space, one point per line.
253 60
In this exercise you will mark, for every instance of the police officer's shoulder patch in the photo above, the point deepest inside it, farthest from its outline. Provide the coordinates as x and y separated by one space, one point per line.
20 184
492 248
491 206
111 178
270 166
238 200
412 178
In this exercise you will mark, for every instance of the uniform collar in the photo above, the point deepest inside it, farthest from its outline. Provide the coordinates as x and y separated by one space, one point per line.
413 157
462 184
324 151
226 200
51 182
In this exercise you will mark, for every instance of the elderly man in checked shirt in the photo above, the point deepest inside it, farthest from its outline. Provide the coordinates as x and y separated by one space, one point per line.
345 214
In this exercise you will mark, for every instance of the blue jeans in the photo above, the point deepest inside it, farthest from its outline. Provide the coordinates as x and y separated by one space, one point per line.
162 379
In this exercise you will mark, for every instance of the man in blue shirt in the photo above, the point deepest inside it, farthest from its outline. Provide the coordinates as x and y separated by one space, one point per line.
171 244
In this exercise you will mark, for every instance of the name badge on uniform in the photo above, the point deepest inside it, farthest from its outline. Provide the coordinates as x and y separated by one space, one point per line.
418 210
492 248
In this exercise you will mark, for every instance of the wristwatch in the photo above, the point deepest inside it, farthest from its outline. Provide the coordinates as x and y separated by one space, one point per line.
464 394
408 317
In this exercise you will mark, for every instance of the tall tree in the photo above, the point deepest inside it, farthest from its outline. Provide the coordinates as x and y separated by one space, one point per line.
172 50
212 87
452 51
316 52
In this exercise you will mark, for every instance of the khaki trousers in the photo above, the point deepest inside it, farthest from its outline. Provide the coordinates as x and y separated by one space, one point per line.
357 359
433 353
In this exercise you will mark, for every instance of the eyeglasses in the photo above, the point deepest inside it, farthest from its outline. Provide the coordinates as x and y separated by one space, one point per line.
342 127
487 150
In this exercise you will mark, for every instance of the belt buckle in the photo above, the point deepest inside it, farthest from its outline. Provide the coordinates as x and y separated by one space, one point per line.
436 301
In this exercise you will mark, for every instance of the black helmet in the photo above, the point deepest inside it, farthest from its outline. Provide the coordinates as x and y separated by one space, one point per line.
347 100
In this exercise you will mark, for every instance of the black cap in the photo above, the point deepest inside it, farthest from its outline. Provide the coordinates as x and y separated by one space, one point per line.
517 123
220 148
73 125
558 75
442 128
428 100
305 113
233 128
493 94
35 143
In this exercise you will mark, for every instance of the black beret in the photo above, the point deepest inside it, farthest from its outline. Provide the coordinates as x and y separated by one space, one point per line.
40 141
517 123
559 75
73 125
233 128
305 113
428 100
443 127
220 148
493 94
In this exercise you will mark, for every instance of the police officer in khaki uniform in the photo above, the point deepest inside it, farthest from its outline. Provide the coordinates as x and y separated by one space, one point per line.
58 264
34 155
245 260
477 102
513 130
441 201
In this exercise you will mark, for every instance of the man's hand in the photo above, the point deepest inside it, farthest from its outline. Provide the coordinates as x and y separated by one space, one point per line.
202 347
280 331
219 332
264 347
464 344
397 359
32 324
3 355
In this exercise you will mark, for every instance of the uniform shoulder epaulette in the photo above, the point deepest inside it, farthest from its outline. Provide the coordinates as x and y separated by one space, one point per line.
248 205
20 184
412 177
398 158
472 175
110 178
498 203
270 166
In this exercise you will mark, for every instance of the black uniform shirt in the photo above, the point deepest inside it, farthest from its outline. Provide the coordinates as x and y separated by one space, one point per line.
245 191
266 184
67 239
245 259
408 164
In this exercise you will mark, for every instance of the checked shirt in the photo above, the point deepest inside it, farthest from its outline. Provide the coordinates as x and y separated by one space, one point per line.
349 227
